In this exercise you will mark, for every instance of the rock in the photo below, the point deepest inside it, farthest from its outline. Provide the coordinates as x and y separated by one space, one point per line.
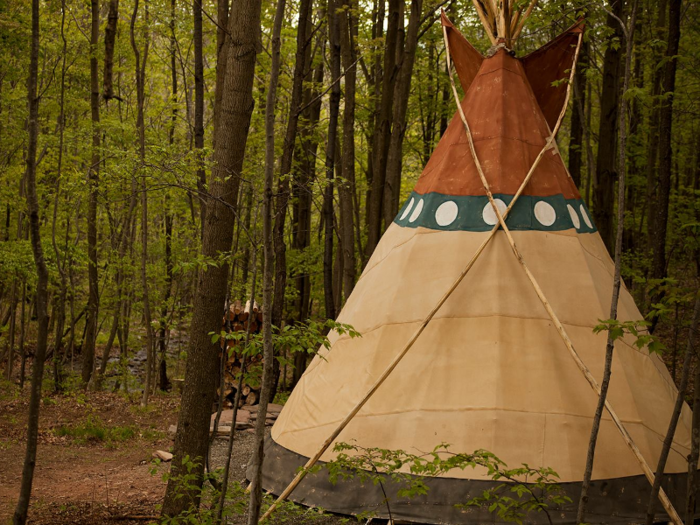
172 430
163 455
242 417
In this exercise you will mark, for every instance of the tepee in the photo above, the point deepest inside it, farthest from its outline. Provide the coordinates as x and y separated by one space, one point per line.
465 343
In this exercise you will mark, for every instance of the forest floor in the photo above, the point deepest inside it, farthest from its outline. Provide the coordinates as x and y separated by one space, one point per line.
94 462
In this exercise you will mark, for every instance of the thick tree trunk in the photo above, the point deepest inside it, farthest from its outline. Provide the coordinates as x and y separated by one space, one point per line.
606 173
88 349
202 358
20 514
346 187
268 272
402 90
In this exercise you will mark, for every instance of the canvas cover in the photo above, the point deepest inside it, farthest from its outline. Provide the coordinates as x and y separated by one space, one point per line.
490 371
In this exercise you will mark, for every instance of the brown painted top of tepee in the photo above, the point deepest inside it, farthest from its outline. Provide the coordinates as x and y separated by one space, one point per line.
511 105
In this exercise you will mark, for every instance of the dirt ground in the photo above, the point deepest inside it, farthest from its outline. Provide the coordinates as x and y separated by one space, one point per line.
105 474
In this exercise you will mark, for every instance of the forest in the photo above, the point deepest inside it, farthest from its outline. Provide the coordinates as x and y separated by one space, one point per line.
166 164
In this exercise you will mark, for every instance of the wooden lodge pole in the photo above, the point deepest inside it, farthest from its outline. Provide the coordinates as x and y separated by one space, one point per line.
663 497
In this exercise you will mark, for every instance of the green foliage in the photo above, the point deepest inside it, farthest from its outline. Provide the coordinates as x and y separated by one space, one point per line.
94 430
637 329
523 490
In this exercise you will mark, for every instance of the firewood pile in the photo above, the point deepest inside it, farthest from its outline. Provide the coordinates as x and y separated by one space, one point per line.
236 320
246 418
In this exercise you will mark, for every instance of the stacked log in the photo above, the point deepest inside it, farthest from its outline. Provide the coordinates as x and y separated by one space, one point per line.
236 320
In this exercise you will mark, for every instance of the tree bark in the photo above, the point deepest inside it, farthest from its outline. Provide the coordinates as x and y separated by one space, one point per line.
604 188
199 388
333 109
402 90
20 514
268 272
671 432
576 143
658 266
382 130
346 186
301 66
110 38
88 349
199 109
617 279
140 72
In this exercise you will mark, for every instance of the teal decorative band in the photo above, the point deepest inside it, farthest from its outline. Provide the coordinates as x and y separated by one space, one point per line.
474 213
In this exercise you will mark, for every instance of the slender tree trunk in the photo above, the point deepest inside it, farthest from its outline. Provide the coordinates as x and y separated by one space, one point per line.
346 186
402 90
617 280
328 206
140 95
60 303
163 335
671 432
604 188
382 130
304 174
20 514
658 266
110 39
199 388
199 109
301 65
268 272
11 334
576 143
88 349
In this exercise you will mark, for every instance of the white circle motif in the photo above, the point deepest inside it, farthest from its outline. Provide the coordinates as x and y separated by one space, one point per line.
489 215
585 217
544 213
446 213
416 212
574 216
407 210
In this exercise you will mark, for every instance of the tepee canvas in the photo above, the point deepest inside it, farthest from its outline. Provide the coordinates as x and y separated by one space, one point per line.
490 370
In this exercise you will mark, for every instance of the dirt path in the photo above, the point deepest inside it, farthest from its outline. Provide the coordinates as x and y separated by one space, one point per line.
94 461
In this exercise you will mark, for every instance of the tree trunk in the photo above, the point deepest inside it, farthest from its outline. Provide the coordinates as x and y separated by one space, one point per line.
163 382
110 38
402 90
140 72
88 349
658 266
199 388
199 110
346 186
301 65
382 130
576 143
328 206
20 514
604 188
268 272
671 432
617 279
